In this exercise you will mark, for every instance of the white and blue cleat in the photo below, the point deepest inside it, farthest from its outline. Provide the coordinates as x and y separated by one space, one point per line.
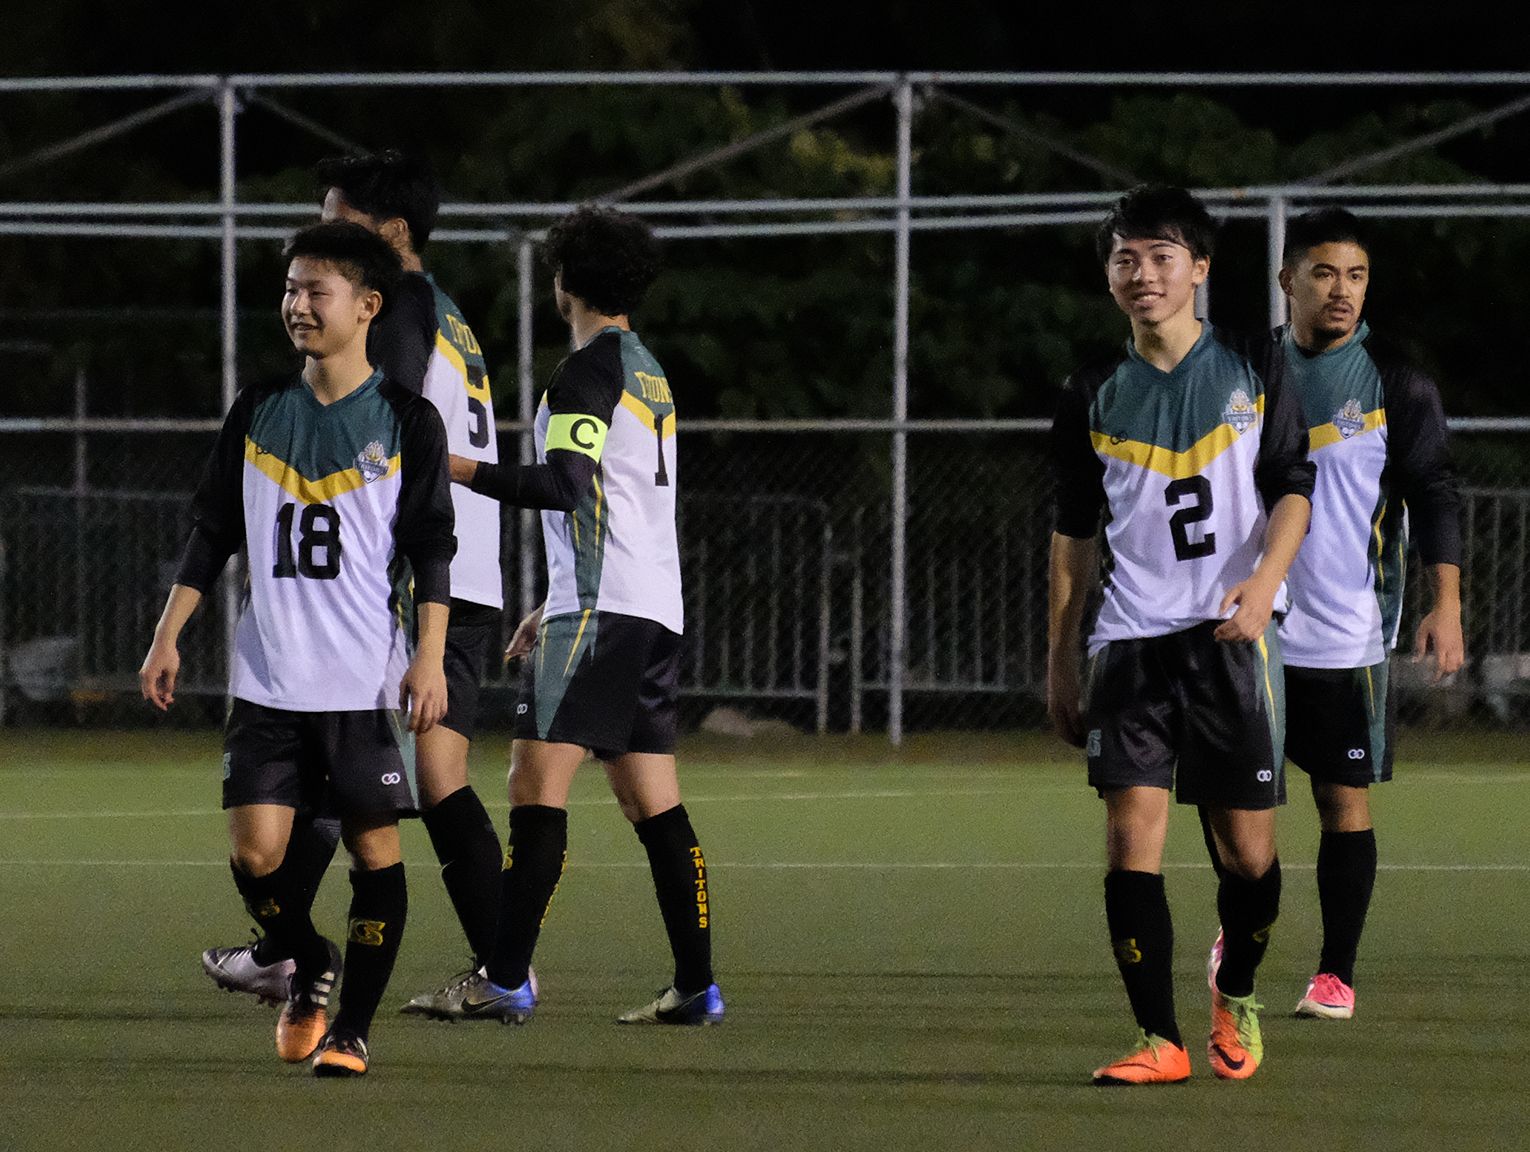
672 1007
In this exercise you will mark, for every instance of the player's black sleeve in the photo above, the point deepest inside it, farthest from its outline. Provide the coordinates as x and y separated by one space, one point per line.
581 401
426 526
401 340
217 509
1078 473
1281 468
1419 466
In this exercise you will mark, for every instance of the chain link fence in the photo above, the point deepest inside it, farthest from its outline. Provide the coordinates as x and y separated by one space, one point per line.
786 549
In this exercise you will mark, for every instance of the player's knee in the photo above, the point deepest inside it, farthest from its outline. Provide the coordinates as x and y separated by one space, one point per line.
256 859
1247 861
1341 808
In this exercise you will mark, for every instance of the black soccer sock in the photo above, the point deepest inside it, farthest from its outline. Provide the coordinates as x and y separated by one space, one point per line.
1142 935
533 866
1346 875
680 882
468 847
379 907
276 902
1248 909
310 848
1211 844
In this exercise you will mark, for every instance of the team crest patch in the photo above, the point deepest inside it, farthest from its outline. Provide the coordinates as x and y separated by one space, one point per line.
1240 411
1349 419
372 462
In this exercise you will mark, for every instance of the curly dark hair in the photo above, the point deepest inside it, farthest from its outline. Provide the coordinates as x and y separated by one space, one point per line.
1158 212
386 185
361 256
606 258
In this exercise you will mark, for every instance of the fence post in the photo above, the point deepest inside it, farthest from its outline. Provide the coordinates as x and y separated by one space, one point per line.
898 589
1276 240
228 110
825 612
527 411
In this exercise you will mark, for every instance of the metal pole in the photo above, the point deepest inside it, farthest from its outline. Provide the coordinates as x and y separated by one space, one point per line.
81 479
897 592
1277 243
228 109
527 411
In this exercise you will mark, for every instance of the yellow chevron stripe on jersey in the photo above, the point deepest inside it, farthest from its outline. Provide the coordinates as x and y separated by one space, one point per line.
1326 434
321 491
1175 465
644 413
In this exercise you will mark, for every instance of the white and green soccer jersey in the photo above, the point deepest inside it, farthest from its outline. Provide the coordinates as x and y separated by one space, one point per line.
1378 438
1185 465
422 342
345 514
605 478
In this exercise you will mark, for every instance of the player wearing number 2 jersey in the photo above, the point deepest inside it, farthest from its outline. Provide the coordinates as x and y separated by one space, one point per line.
1197 458
336 486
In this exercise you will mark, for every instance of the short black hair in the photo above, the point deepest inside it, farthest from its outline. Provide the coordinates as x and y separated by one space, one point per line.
1158 212
386 185
1327 225
606 258
361 256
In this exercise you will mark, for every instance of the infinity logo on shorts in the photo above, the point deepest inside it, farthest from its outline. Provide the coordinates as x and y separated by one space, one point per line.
1357 753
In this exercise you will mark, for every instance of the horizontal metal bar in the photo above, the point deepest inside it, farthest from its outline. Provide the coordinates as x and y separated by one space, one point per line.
773 79
1467 425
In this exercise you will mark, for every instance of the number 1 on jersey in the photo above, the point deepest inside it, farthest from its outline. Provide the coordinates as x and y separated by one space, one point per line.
312 538
661 477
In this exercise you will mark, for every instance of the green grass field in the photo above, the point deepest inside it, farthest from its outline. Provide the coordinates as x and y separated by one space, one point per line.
912 947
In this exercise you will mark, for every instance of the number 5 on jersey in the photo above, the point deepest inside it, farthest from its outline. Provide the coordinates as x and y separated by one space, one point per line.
317 555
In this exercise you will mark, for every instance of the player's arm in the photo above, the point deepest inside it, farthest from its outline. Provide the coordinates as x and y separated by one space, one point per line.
1285 479
1418 449
217 531
401 340
424 532
1074 561
581 401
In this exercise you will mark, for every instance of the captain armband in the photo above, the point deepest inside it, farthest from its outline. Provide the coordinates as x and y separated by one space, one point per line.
571 432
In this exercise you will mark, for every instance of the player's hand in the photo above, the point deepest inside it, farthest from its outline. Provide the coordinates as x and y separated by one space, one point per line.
525 637
156 679
462 469
423 694
1440 633
1256 603
1063 695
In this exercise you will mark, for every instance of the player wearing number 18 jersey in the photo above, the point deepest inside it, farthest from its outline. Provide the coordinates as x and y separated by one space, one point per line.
335 484
1195 455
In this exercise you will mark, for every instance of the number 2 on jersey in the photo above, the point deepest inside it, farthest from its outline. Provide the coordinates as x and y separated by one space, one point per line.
1179 523
314 537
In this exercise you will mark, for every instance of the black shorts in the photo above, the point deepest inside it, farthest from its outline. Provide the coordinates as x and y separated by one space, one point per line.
472 631
1343 721
321 763
601 680
1187 712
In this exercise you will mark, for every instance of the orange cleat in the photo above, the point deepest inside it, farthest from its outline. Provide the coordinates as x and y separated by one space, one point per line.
1154 1061
1235 1047
305 1016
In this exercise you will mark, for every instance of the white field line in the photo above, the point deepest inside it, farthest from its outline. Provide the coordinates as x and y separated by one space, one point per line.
802 866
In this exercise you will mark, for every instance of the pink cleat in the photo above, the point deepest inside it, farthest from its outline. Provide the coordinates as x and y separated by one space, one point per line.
1327 998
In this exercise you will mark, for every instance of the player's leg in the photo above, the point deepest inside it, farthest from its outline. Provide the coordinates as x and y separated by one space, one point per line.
1129 721
366 757
1234 749
460 829
1344 744
647 788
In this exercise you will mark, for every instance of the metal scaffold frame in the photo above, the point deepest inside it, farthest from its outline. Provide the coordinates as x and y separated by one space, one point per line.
229 221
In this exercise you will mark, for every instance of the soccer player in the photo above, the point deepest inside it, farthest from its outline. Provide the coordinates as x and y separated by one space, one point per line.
607 638
1378 439
422 343
335 482
1187 442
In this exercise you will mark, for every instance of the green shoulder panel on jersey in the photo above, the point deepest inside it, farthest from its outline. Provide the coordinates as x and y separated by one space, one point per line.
645 389
456 342
318 452
1340 389
1178 422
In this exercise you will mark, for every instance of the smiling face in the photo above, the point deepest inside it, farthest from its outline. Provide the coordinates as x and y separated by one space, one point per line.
1153 280
323 310
1326 287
